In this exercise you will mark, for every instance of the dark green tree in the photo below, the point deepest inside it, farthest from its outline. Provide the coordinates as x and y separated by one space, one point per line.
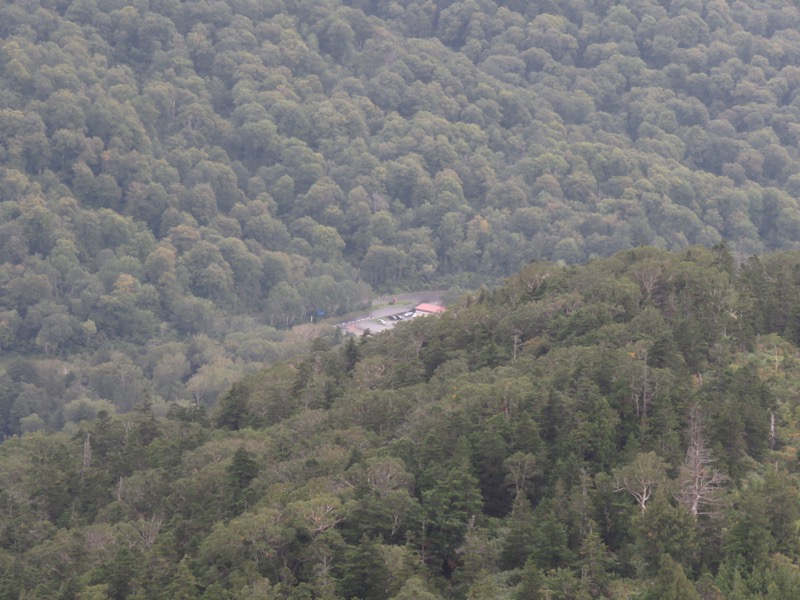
450 505
363 572
530 586
183 585
671 583
520 542
232 411
242 470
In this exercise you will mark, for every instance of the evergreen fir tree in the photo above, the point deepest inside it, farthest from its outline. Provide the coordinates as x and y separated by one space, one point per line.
363 572
352 354
450 505
666 529
671 583
521 539
530 586
94 592
183 585
232 413
242 470
120 573
415 589
483 588
594 561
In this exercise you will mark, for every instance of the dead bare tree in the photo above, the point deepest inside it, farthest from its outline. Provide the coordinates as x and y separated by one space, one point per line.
87 453
648 274
773 435
521 468
643 388
148 530
699 483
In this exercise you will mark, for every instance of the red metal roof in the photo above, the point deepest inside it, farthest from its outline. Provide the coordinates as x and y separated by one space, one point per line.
430 308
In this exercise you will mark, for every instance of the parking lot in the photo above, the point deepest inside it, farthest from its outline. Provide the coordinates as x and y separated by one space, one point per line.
388 314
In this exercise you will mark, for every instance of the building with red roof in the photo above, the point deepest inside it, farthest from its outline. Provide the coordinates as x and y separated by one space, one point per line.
430 309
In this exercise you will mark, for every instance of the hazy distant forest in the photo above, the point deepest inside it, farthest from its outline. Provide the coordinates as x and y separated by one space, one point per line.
185 185
182 181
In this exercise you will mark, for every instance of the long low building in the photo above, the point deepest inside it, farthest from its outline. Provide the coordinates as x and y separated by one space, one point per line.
429 309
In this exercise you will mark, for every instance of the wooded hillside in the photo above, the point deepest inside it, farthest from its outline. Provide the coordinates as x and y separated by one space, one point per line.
622 429
182 181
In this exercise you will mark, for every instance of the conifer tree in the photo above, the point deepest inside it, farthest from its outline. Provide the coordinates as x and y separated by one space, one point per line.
483 588
666 529
183 585
550 540
415 589
530 587
521 539
451 505
671 583
120 573
232 413
94 592
363 571
242 470
352 354
594 561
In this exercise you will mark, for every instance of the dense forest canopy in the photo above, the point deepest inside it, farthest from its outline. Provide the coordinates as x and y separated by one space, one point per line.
185 185
180 182
625 429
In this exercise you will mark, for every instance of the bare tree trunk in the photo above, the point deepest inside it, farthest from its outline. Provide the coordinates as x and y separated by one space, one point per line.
87 452
772 432
699 483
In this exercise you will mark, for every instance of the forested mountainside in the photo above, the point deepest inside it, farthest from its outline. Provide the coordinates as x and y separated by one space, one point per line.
625 429
182 181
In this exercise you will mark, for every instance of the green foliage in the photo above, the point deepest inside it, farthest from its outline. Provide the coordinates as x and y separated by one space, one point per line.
183 585
415 589
520 543
562 467
184 186
451 502
666 529
530 586
242 470
232 412
671 583
213 172
364 572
